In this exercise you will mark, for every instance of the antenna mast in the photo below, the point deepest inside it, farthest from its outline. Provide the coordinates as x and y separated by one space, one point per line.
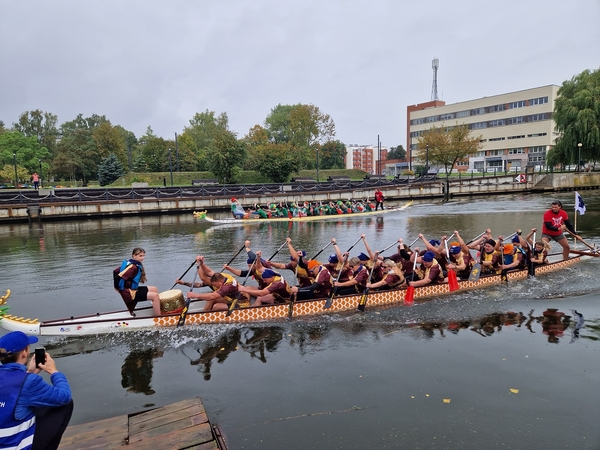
434 65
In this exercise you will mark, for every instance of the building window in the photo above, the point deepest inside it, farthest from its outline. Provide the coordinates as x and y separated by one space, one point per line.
536 135
478 125
497 108
447 116
432 119
515 120
521 136
463 114
538 101
477 111
497 123
537 149
495 152
516 151
519 104
496 139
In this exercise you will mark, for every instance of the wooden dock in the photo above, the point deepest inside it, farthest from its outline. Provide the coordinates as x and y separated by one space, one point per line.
181 425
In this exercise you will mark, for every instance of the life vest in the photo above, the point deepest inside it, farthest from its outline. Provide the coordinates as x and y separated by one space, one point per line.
14 433
228 280
119 282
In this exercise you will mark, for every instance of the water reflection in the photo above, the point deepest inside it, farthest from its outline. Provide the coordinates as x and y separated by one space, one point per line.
136 372
262 342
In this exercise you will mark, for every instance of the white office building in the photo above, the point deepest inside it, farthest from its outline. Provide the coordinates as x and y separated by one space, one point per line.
516 129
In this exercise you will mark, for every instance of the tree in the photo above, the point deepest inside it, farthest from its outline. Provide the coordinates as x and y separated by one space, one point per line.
441 146
201 132
277 162
28 151
225 156
77 154
577 118
332 155
110 170
42 126
305 127
396 153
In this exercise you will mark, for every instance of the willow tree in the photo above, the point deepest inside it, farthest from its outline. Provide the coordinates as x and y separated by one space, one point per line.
577 118
445 146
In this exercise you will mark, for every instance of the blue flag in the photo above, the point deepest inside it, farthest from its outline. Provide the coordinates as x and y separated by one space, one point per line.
579 205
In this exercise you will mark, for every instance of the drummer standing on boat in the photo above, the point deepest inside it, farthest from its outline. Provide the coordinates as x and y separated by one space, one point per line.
556 220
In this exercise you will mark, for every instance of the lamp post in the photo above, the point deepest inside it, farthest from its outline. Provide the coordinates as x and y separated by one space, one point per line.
16 176
317 164
177 153
171 166
41 173
426 159
579 155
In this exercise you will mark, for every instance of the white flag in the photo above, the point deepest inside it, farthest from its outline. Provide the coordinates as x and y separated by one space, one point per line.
579 205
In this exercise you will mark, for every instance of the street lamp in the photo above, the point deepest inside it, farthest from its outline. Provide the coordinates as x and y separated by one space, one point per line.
426 159
16 176
317 164
579 155
171 166
41 173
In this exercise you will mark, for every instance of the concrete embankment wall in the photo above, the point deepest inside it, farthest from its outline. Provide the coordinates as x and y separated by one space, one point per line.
399 192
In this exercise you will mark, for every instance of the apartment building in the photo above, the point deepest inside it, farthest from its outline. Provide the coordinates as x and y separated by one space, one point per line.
516 129
365 157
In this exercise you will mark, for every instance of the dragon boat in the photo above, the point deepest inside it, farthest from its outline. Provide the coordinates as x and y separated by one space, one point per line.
145 319
203 216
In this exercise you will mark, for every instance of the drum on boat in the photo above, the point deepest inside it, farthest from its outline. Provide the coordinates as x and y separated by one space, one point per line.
171 301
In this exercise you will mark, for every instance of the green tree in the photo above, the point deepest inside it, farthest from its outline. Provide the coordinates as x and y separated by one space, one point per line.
200 134
332 155
110 170
305 127
442 146
41 125
153 153
29 152
276 161
78 155
577 118
225 156
396 153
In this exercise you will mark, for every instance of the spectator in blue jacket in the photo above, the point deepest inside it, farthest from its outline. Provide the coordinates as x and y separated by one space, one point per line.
33 413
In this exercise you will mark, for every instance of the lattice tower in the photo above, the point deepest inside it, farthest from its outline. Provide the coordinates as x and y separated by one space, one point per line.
434 65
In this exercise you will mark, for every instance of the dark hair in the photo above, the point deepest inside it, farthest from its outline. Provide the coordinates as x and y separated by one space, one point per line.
137 251
7 357
557 202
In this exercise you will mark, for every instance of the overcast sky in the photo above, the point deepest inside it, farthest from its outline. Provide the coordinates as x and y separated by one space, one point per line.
156 63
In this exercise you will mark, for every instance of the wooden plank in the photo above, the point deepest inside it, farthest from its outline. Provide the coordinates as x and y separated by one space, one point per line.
168 416
170 427
102 434
187 438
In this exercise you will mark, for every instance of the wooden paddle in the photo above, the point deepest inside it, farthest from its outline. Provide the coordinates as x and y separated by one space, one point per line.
235 300
363 298
409 298
186 307
452 280
580 239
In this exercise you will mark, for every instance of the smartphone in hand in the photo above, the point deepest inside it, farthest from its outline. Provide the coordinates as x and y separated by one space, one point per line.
40 356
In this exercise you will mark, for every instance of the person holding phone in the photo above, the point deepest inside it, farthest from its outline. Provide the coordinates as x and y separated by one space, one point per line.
34 414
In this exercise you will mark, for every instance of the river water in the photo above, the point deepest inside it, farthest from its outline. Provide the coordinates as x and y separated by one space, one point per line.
512 367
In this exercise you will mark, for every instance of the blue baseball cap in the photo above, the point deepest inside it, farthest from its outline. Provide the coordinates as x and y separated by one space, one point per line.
363 257
434 242
16 341
333 258
428 256
455 249
268 273
516 239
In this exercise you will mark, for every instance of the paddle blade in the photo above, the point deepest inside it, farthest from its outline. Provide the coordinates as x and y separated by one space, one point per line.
183 314
409 298
452 280
475 272
363 300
